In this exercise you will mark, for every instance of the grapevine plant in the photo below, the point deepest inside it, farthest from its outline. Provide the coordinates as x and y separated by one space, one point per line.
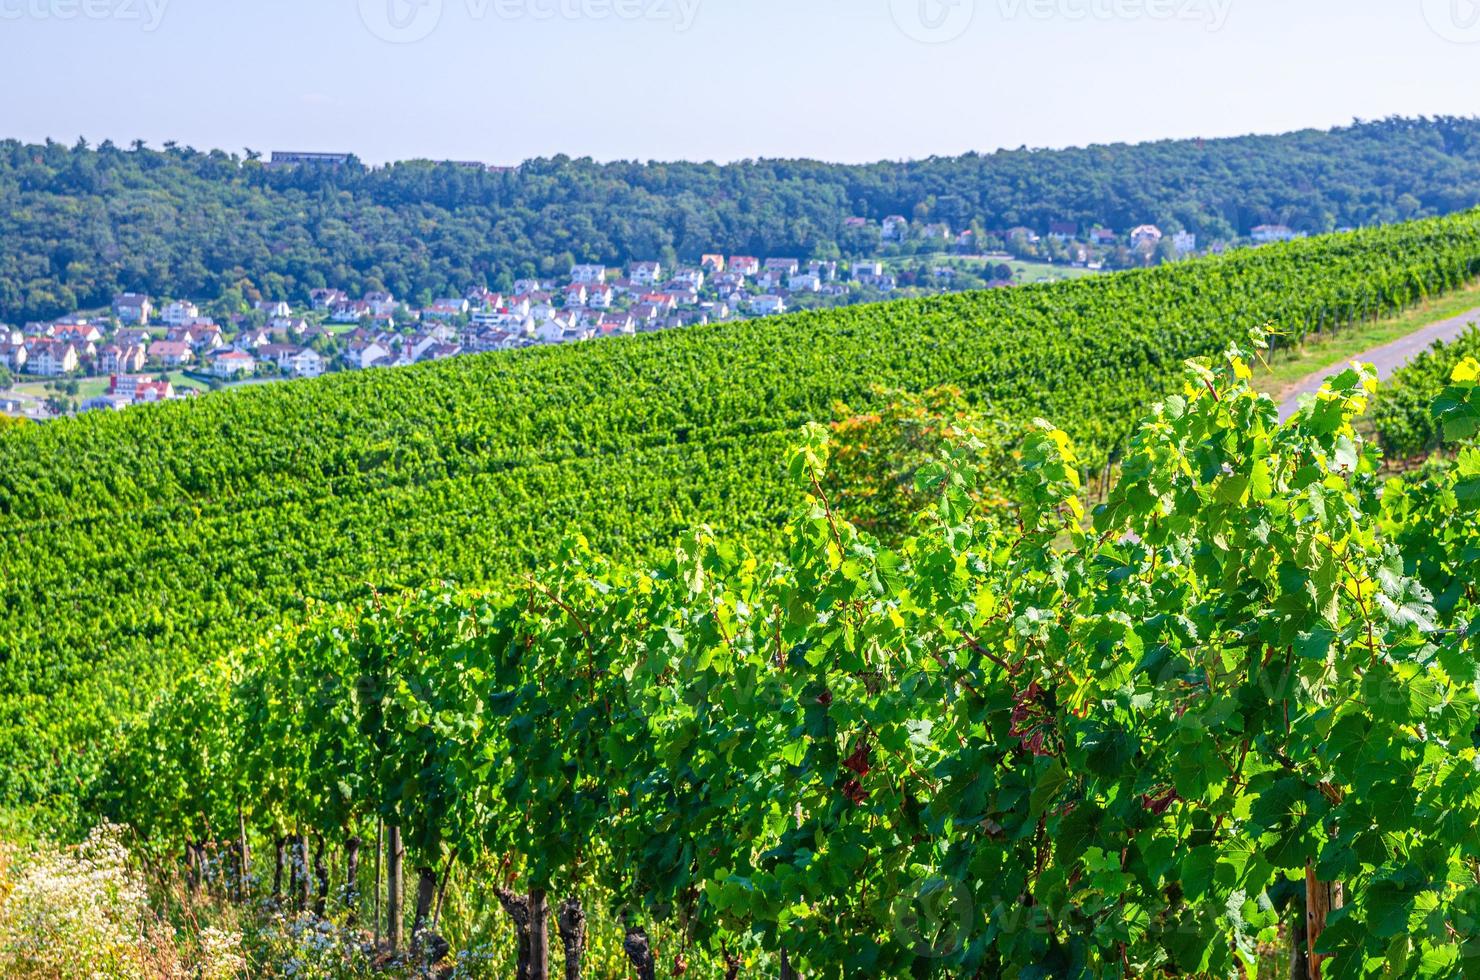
135 546
1236 702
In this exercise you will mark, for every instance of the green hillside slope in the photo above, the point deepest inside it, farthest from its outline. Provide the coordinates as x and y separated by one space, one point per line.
133 545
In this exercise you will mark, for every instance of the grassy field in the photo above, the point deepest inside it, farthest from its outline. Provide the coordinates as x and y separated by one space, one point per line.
1293 366
1025 273
93 387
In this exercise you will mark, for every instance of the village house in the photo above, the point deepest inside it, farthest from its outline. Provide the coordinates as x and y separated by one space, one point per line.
133 309
206 337
1184 242
273 308
51 358
446 309
77 333
767 305
1063 231
804 282
480 298
692 278
1103 236
291 325
617 323
351 311
599 297
662 302
646 273
298 362
325 300
1268 234
440 352
712 264
171 353
140 389
179 313
588 275
106 403
307 363
232 364
116 359
744 265
895 228
382 304
771 279
252 338
1146 237
368 355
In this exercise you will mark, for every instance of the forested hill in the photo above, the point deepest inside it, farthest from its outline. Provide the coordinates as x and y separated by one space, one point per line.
80 224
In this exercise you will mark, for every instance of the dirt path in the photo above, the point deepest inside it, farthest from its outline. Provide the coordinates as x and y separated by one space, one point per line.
1387 358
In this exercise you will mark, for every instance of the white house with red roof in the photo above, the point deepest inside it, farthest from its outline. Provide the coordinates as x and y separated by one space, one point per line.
233 364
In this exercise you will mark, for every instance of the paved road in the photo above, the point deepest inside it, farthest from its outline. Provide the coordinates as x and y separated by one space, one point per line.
1387 358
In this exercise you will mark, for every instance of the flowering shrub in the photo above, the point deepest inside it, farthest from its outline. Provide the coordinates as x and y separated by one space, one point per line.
75 913
85 912
305 947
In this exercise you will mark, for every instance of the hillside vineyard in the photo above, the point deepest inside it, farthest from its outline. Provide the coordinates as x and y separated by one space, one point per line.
1042 743
135 545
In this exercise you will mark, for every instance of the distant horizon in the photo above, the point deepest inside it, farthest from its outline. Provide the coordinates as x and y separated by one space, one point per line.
266 154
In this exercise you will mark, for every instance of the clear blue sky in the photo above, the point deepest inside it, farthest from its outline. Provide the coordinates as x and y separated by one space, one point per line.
847 80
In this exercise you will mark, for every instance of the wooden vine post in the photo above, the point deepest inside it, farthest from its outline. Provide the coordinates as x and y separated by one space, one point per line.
1321 899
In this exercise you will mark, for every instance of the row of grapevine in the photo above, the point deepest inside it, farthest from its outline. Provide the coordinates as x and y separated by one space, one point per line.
133 545
1036 741
1403 413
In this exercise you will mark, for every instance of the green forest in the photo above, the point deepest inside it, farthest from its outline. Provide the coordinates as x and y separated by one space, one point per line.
80 224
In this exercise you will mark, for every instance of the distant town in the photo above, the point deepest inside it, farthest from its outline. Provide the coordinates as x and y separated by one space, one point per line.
145 349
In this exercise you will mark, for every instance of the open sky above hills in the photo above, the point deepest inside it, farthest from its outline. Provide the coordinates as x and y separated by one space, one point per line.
845 80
